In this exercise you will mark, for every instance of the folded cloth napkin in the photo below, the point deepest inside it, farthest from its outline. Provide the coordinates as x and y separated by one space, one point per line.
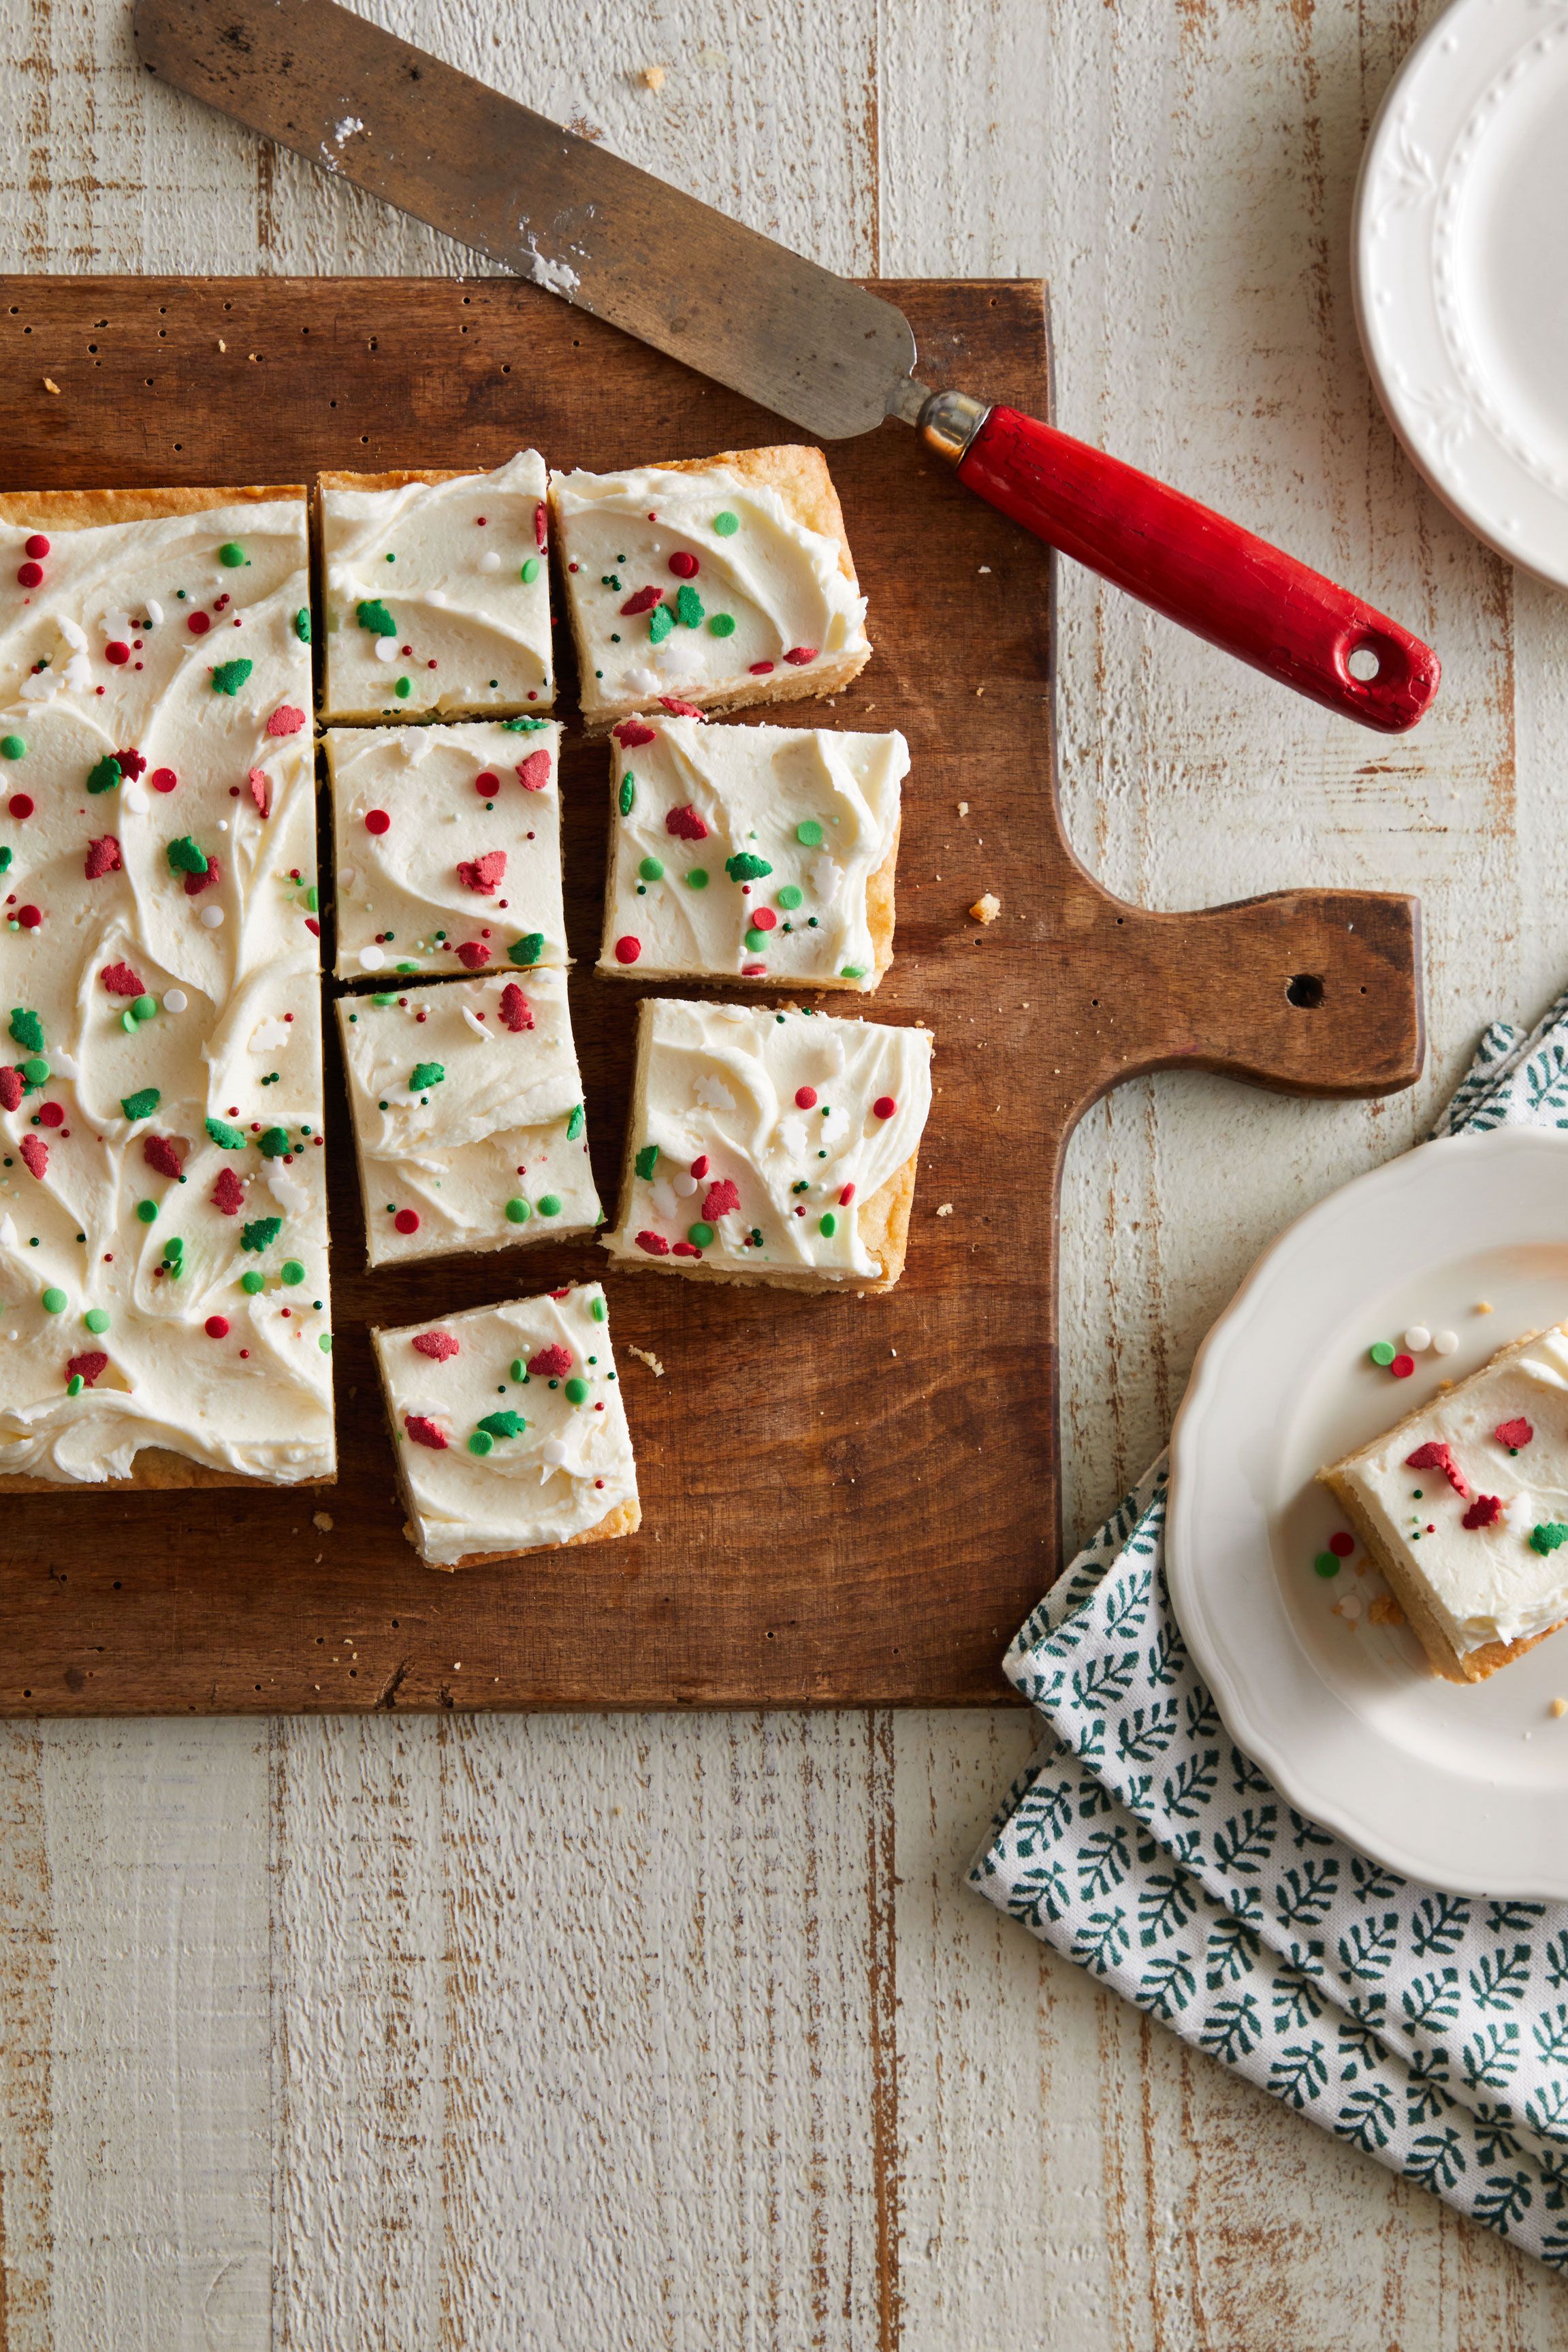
1429 2029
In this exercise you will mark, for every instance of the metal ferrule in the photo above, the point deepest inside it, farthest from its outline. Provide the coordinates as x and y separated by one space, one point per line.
949 422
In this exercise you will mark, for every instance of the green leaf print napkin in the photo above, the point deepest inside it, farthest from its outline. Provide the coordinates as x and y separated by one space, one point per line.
1429 2029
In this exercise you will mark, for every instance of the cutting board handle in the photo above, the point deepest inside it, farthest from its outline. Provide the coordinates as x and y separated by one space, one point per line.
1308 992
1209 575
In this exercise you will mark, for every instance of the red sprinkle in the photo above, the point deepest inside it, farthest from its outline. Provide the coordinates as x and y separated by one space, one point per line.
160 1155
655 1244
438 1345
631 733
805 1097
686 1249
483 873
131 762
35 1155
102 857
260 791
378 821
21 805
516 1010
196 883
120 980
228 1192
29 576
487 785
533 773
884 1107
1435 1456
1342 1546
801 654
685 825
51 1113
1484 1512
407 1221
38 545
679 709
720 1200
424 1432
539 526
747 970
162 779
627 948
286 719
217 1327
29 917
700 1165
473 955
88 1368
198 623
643 600
1513 1434
11 1089
1402 1366
760 670
846 1196
117 652
683 566
763 918
552 1363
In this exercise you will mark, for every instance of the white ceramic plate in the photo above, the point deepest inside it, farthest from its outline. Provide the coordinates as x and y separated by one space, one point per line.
1461 246
1465 1787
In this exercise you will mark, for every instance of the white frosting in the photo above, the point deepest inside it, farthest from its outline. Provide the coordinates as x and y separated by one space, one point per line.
755 789
564 1472
504 1122
476 624
782 583
723 1080
410 882
258 1399
1485 1584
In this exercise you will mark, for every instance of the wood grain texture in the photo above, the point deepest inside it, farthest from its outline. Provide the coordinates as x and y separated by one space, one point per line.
1060 2171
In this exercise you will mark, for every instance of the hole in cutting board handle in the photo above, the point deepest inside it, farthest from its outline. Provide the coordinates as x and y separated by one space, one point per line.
1305 990
1363 663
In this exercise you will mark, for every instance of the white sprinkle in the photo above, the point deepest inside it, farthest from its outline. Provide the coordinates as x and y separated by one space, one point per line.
8 1236
348 877
437 596
175 999
155 611
554 1453
490 560
371 958
415 744
222 824
73 632
685 1186
1417 1339
476 1026
386 649
135 798
1445 1342
212 917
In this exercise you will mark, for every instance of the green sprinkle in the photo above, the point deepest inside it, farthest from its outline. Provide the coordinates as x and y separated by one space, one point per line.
481 1441
144 1008
230 676
325 1343
575 1124
103 776
275 1142
697 879
404 688
372 615
5 860
549 1204
186 857
74 1385
528 949
313 899
302 624
504 1425
524 726
231 556
722 624
1543 1539
530 571
701 1233
11 747
689 608
147 1211
1380 1352
726 523
95 1319
1326 1564
661 621
383 999
628 792
647 1160
174 1249
228 1138
809 832
756 942
746 866
54 1303
651 870
596 1309
791 896
828 1224
142 1104
26 1028
426 1073
518 1212
251 1280
519 1370
293 1272
260 1233
853 971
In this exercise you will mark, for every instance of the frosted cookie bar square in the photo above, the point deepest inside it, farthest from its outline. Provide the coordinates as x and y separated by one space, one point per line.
772 1147
447 846
437 593
1463 1507
163 1246
509 1430
468 1116
752 853
715 582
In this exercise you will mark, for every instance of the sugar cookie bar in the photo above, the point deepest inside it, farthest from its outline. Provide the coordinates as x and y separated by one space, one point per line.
164 1310
437 593
509 1430
751 853
715 582
447 847
1463 1507
772 1147
468 1116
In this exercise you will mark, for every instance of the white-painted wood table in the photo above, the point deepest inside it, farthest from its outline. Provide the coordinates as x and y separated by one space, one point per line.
602 2033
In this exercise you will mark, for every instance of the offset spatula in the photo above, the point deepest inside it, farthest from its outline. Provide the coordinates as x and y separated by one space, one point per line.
813 348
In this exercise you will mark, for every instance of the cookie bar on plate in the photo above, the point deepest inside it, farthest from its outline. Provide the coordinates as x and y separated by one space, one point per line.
716 581
162 1203
509 1430
1463 1507
447 847
437 593
772 1147
468 1116
752 853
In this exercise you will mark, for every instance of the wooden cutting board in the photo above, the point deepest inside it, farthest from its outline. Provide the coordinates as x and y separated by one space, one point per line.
844 1502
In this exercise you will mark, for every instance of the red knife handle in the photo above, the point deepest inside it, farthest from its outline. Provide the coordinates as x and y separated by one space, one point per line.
1214 578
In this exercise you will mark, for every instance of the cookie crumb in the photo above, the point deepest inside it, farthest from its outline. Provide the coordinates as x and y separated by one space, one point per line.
963 808
654 77
221 345
322 1520
50 385
1485 1306
644 1356
1385 1611
985 569
987 908
1559 1707
946 1210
